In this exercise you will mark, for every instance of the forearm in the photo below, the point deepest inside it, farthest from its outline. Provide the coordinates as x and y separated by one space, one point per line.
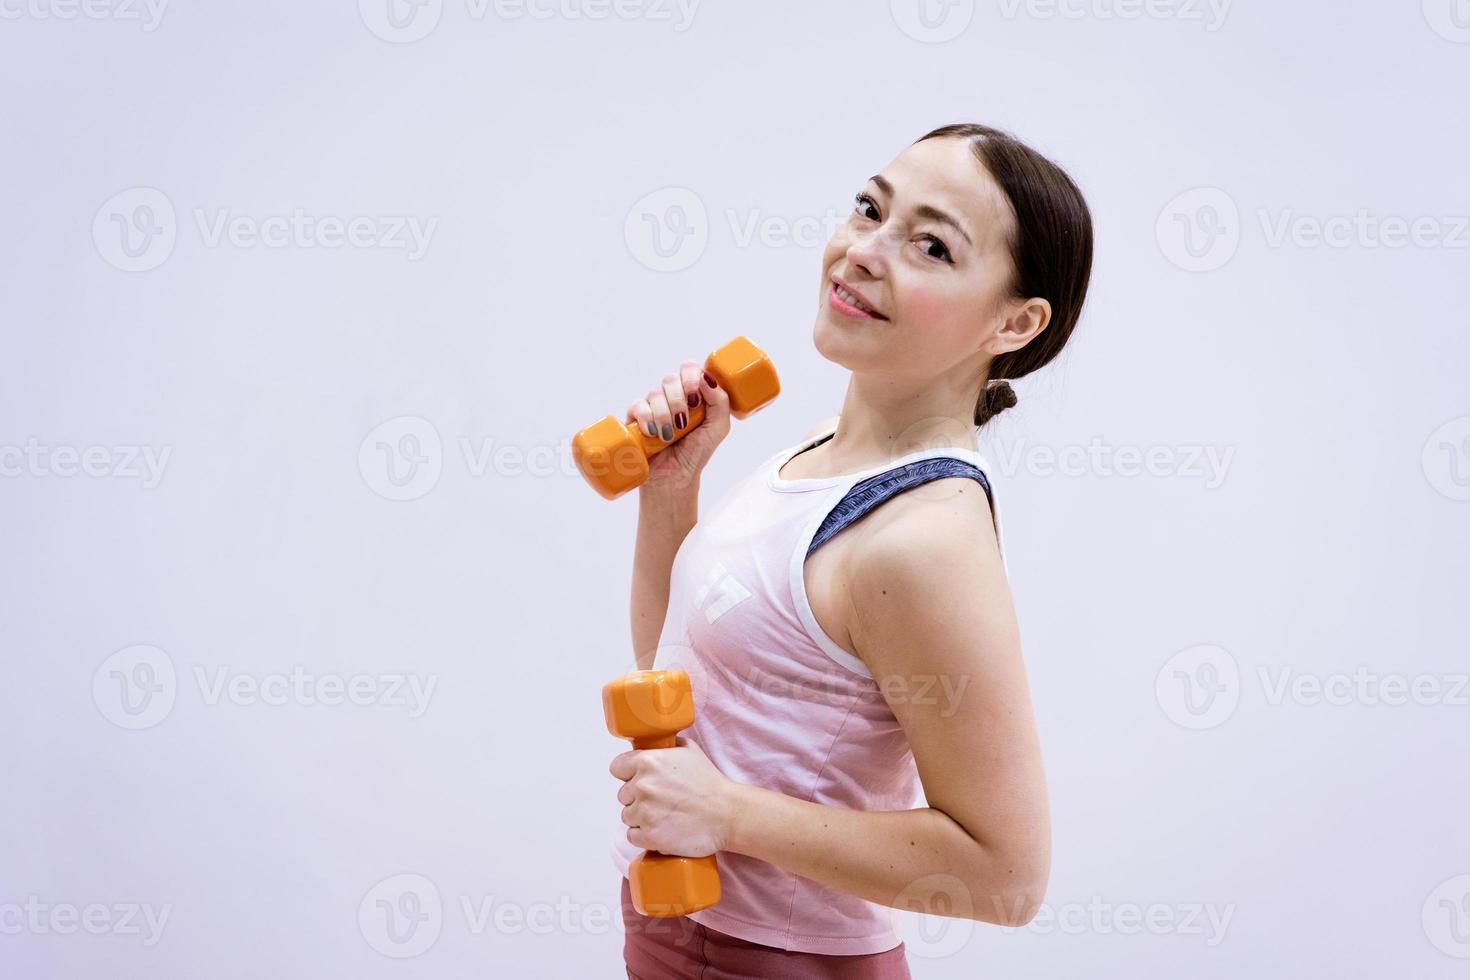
664 520
913 859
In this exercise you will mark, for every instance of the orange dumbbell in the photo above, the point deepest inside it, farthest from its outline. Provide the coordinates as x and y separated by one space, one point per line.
651 707
613 455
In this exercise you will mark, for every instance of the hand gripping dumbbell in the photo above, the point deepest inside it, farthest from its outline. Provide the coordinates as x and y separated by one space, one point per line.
613 455
651 707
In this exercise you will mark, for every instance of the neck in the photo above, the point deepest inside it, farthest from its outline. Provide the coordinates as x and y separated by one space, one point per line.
883 419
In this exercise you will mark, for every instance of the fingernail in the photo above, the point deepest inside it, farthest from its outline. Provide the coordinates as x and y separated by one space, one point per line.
709 379
680 420
668 433
652 429
694 400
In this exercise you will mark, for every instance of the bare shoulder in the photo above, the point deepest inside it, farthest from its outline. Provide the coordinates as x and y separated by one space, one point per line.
938 537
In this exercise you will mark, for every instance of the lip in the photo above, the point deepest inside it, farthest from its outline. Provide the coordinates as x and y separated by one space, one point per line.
841 306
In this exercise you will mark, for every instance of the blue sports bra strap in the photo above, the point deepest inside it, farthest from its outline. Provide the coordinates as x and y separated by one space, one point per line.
869 493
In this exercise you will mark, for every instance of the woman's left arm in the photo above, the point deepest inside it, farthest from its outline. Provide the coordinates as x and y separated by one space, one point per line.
932 618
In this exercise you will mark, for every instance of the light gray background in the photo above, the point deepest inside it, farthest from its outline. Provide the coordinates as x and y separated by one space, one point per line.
1159 610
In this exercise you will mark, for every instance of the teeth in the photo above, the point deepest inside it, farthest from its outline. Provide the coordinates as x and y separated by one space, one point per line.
850 298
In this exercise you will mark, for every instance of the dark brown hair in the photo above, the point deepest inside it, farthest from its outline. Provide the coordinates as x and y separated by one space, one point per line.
1051 250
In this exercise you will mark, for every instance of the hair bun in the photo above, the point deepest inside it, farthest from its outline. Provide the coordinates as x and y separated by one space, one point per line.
998 396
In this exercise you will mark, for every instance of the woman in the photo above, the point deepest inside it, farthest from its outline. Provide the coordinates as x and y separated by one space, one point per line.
864 739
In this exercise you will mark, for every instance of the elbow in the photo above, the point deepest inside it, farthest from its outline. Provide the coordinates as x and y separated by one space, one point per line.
1010 892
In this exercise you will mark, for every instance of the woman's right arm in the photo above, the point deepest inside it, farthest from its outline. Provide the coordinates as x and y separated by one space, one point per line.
663 523
668 500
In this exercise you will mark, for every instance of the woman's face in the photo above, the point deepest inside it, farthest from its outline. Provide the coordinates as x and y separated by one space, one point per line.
926 247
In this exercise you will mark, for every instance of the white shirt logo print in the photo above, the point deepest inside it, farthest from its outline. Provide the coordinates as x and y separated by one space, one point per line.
729 595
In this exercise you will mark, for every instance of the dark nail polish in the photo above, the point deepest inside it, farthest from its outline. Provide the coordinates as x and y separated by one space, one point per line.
694 400
681 420
652 429
668 433
709 379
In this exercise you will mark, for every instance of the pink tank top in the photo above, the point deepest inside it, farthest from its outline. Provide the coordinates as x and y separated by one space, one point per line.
778 703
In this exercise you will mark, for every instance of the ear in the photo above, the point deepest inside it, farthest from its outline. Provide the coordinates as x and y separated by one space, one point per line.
1022 323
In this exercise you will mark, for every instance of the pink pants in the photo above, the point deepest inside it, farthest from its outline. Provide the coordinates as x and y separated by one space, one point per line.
682 949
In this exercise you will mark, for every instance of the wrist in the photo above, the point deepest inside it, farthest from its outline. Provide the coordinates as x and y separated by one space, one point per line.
741 803
672 506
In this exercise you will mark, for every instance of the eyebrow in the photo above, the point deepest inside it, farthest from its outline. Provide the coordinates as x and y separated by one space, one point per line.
923 210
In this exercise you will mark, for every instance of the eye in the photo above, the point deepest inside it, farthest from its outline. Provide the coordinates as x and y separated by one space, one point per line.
860 199
943 252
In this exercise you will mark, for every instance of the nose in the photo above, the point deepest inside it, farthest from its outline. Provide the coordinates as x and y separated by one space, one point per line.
869 250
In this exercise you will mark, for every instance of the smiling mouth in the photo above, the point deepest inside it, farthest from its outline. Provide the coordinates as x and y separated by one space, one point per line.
851 300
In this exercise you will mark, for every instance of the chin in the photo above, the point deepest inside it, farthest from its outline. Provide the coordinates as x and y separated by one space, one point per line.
839 342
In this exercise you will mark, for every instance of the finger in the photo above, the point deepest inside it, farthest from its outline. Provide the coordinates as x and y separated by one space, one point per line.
715 399
689 374
627 795
662 416
632 815
678 404
624 765
642 413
